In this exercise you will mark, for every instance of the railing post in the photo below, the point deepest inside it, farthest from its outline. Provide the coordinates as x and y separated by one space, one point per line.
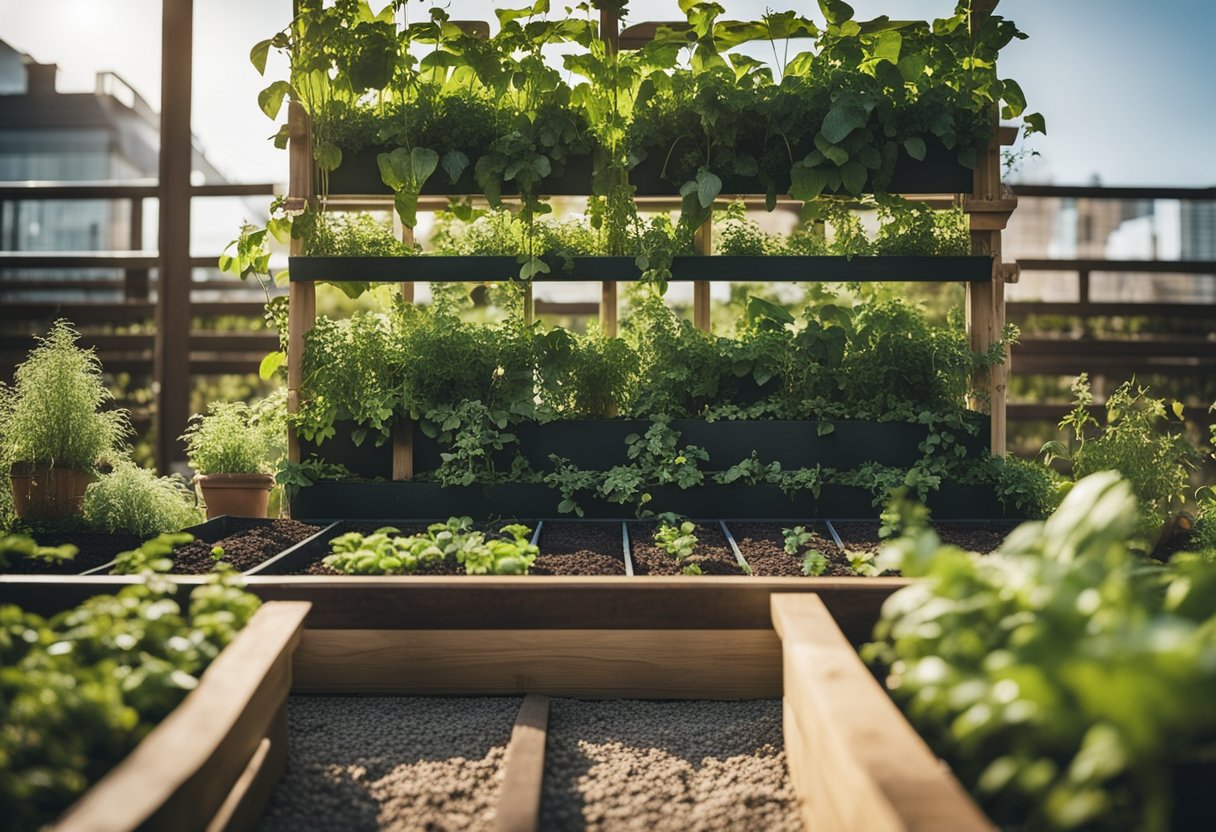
172 354
135 283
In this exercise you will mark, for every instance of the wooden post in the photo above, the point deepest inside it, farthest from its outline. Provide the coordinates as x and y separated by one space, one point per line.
986 301
702 244
172 355
403 432
302 297
135 284
611 33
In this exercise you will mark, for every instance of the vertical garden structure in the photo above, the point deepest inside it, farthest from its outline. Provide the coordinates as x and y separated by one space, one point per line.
935 176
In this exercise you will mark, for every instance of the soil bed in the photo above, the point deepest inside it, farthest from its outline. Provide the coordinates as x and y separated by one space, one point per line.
95 549
859 537
251 544
763 547
984 538
712 553
572 548
646 765
391 763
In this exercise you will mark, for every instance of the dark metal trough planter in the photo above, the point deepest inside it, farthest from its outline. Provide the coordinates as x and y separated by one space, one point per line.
477 268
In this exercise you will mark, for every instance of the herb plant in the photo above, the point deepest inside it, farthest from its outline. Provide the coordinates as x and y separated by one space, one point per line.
387 552
133 500
53 416
24 546
1066 680
678 539
797 543
232 438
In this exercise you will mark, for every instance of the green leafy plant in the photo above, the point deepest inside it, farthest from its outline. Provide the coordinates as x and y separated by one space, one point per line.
233 438
24 546
133 500
80 690
387 552
1064 678
1138 441
797 543
678 539
152 556
52 416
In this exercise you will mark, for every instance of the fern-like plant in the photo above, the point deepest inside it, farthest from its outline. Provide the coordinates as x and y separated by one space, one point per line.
52 416
133 500
232 438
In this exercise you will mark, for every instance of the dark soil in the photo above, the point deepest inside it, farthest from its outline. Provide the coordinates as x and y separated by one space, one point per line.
571 548
246 546
763 547
95 549
713 554
859 536
973 537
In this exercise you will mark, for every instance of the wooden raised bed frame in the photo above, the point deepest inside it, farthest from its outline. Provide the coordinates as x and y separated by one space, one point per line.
211 763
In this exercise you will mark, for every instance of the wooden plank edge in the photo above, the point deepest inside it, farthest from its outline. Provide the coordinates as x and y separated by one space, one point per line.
846 730
524 770
200 750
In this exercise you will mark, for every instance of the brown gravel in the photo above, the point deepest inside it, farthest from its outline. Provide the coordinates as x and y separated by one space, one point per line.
580 548
984 538
95 550
244 548
391 763
644 766
763 547
712 553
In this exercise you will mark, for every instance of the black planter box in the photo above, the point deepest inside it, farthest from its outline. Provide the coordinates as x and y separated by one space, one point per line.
716 268
599 444
430 501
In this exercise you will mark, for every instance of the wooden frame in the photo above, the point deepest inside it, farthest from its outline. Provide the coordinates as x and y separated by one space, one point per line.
855 762
212 763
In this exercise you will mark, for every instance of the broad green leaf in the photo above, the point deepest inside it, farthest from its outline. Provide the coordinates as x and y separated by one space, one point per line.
842 120
271 363
836 154
825 428
853 176
454 164
915 147
912 67
328 156
1015 99
836 11
258 54
708 187
1034 123
406 203
271 98
806 183
423 162
887 46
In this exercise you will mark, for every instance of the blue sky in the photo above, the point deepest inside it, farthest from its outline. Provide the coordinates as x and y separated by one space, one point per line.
1127 87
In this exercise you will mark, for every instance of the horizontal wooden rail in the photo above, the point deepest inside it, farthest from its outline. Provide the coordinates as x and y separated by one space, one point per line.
199 341
130 189
92 260
1115 192
1055 411
1159 347
119 312
1117 266
1112 309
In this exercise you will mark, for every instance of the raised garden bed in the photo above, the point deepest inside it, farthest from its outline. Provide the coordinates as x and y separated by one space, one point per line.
211 763
824 268
572 548
247 543
763 547
96 551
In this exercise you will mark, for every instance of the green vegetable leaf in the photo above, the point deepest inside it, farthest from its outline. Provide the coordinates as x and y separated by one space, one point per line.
915 147
271 98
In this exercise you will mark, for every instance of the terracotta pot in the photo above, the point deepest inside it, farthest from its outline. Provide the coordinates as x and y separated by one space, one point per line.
237 495
42 492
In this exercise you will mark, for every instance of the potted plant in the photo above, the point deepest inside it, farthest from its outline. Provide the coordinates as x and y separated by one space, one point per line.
52 427
233 450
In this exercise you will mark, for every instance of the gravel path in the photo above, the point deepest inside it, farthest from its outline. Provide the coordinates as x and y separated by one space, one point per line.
642 765
391 763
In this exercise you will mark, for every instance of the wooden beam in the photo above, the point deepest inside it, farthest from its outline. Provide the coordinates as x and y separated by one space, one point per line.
702 244
524 769
855 762
301 299
172 360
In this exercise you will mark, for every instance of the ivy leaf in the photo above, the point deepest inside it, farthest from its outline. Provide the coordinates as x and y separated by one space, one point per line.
271 98
271 363
258 55
915 147
842 120
454 164
708 187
